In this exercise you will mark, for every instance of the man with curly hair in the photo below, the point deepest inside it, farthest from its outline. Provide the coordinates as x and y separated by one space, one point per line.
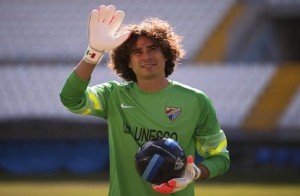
147 104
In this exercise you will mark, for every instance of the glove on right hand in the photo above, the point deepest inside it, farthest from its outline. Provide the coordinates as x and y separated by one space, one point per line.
102 26
192 172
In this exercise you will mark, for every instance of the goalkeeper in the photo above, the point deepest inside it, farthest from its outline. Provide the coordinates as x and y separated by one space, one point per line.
147 104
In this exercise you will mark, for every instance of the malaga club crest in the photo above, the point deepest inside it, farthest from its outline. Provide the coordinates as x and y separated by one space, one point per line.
172 112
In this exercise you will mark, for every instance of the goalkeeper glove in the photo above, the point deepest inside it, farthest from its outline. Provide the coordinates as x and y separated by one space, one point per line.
102 26
192 172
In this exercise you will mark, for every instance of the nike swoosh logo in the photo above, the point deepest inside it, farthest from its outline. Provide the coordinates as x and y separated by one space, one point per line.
126 106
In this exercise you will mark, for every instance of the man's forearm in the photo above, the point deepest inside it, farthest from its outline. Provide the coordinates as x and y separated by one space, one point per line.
84 70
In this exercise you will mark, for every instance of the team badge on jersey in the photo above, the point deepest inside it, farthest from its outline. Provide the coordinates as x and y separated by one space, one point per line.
172 112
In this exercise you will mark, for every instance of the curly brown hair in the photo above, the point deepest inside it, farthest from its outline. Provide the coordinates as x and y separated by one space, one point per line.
157 30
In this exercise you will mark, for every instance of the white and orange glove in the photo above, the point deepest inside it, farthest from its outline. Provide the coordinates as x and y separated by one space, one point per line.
102 26
192 172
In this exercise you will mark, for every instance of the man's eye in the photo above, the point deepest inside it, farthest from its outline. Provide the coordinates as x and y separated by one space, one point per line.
136 52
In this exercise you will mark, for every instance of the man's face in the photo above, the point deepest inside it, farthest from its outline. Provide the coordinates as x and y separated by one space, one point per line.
147 60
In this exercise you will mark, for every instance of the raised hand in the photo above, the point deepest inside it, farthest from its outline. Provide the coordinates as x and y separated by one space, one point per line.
102 27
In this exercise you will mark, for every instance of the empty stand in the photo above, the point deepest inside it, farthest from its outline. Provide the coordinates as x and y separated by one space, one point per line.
57 30
33 90
233 89
42 41
38 34
216 45
291 116
267 111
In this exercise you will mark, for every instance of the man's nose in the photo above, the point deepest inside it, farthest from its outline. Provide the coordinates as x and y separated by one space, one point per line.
146 55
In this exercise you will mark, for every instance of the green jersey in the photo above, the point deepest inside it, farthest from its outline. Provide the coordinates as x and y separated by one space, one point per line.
133 116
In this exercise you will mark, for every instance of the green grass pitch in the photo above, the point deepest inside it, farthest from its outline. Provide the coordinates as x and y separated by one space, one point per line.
101 188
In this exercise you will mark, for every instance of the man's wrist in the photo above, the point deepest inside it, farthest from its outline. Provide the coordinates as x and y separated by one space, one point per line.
204 171
93 56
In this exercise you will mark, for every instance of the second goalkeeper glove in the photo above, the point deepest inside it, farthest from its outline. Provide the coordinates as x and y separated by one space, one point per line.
192 172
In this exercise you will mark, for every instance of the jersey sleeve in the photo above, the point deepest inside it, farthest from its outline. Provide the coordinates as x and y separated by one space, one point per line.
211 142
79 98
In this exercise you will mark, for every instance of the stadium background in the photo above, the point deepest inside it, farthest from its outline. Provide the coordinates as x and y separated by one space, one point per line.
244 54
